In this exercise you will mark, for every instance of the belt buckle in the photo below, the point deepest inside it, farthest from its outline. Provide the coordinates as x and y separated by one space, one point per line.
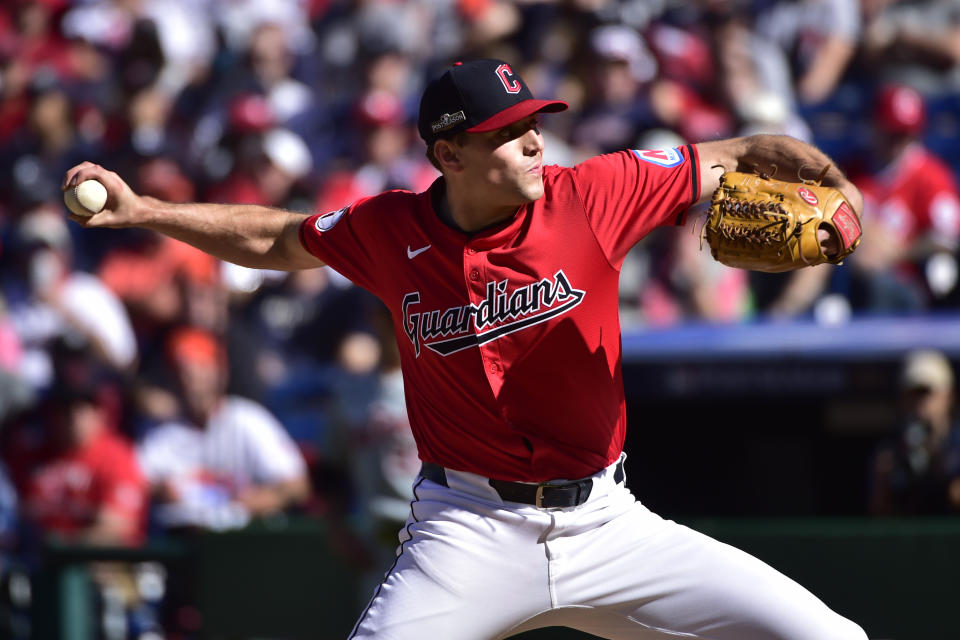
539 498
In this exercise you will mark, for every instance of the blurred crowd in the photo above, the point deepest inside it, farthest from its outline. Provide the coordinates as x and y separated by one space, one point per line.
147 388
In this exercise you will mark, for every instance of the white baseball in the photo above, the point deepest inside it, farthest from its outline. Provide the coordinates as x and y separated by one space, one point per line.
87 198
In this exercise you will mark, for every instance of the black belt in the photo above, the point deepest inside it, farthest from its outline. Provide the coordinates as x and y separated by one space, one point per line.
547 495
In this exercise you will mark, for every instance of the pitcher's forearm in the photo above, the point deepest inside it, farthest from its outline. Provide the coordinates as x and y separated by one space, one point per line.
248 235
794 159
782 157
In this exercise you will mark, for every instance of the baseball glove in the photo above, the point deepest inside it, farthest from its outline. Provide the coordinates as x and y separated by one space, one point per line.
768 225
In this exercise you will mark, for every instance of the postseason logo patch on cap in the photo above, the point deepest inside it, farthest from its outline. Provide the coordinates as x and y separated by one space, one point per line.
447 120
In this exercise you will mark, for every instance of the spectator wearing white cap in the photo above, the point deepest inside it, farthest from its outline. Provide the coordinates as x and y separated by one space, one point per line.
268 165
918 470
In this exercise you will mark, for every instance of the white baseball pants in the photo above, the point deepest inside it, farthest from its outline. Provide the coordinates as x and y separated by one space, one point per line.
472 567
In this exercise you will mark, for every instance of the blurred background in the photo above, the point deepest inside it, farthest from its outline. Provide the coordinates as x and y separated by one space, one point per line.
191 449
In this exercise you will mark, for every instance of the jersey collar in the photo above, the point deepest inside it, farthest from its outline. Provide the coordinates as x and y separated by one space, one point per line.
488 237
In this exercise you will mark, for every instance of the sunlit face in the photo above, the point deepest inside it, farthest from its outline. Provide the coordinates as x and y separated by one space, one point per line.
506 164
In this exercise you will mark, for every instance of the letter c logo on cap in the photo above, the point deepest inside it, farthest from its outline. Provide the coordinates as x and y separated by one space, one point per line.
505 73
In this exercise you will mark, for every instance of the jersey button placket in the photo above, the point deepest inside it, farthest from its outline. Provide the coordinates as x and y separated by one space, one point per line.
476 269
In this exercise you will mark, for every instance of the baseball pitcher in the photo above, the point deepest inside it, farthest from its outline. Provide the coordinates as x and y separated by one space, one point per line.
502 282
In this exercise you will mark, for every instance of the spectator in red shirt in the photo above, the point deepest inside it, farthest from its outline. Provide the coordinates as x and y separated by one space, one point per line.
911 212
83 484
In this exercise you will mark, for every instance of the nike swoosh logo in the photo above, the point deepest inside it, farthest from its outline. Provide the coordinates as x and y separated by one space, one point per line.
413 254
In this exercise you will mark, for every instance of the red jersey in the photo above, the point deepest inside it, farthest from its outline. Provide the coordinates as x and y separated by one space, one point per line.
915 196
510 337
65 492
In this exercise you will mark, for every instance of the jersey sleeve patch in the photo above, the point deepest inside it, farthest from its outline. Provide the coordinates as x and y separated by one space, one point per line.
663 157
328 220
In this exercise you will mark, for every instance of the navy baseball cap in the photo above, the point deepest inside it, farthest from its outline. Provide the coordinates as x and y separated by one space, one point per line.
480 95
